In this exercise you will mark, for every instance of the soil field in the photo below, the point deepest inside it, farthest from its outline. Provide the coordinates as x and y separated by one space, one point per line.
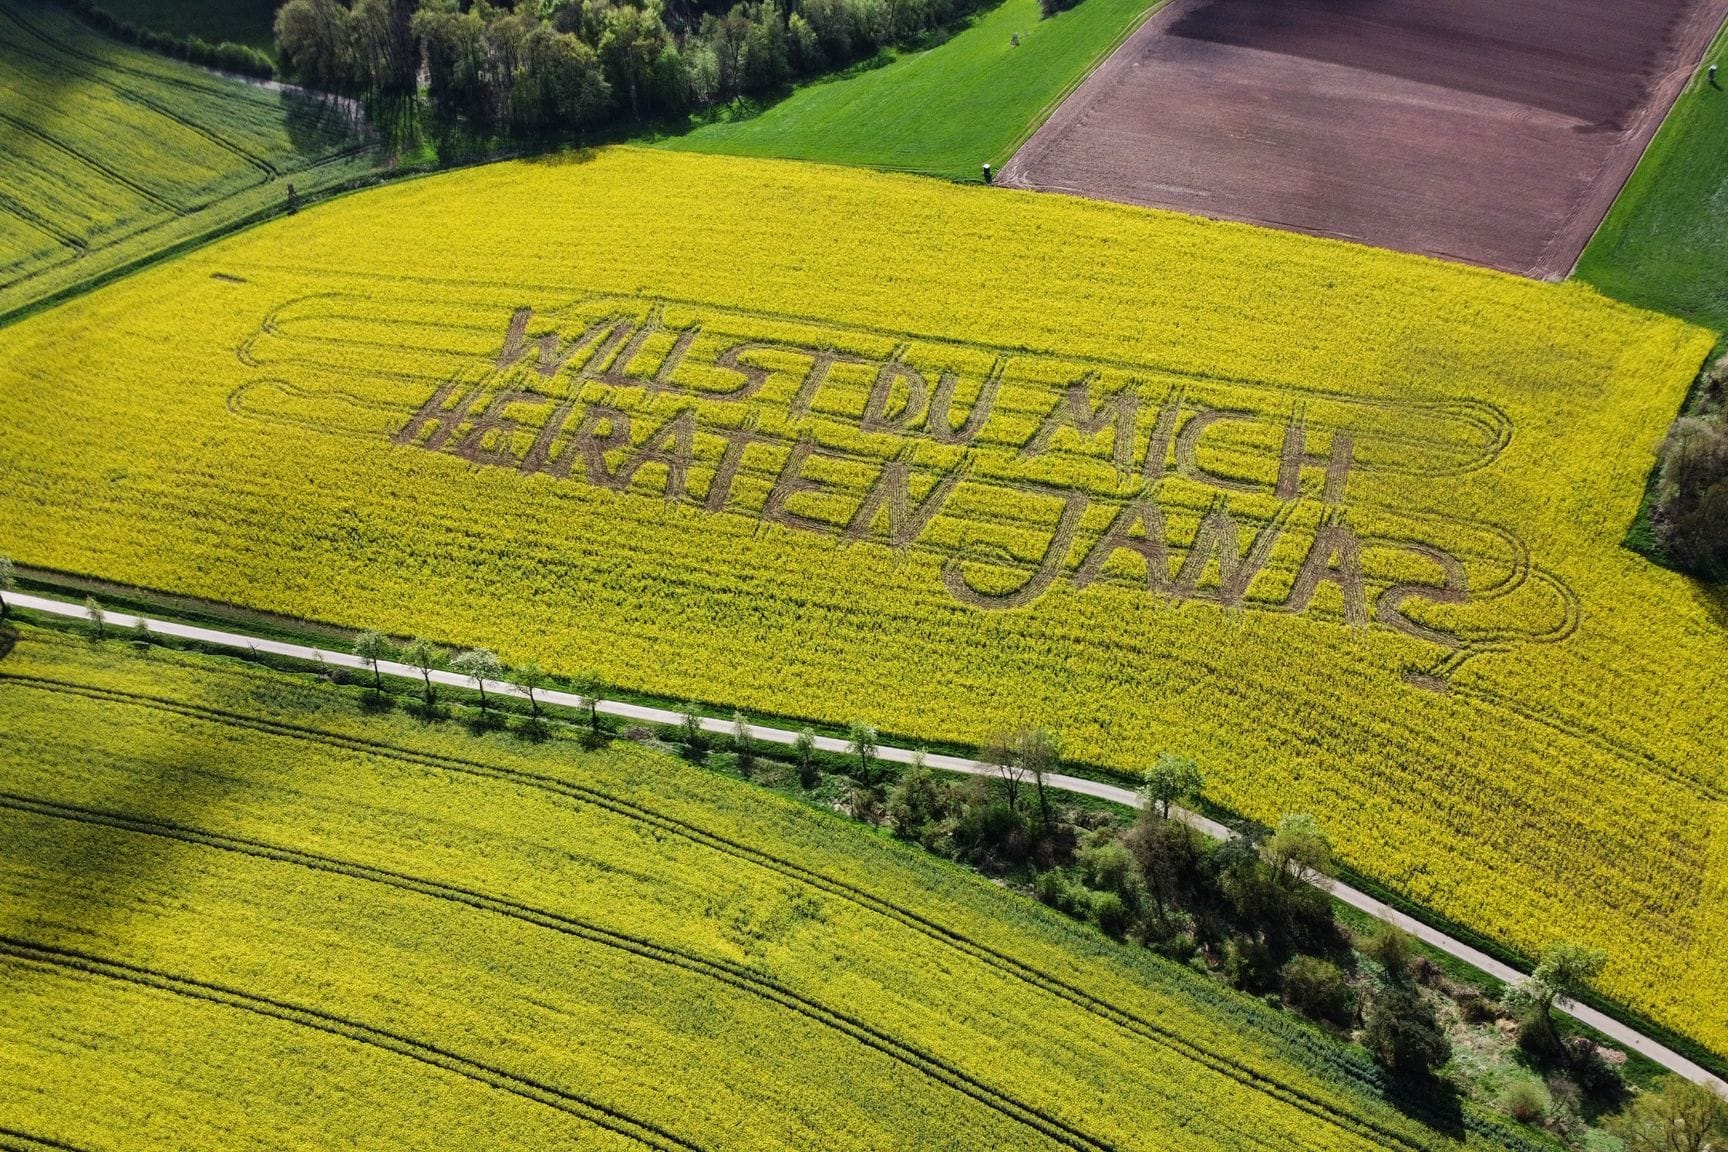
1474 130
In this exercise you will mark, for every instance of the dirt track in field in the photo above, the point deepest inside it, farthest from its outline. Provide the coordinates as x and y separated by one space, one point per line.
1490 131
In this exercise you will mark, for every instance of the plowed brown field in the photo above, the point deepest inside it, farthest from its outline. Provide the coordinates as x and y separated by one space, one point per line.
1475 130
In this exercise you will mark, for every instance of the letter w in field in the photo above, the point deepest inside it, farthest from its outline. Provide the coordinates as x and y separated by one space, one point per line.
549 358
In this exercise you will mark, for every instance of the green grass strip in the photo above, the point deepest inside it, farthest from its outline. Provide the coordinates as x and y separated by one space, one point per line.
942 111
1664 243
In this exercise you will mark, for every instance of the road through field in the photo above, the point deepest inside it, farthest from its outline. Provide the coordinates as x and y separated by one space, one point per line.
1603 1023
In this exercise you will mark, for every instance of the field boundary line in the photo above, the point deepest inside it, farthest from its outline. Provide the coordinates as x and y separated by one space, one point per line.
1009 175
739 976
26 951
262 214
1236 1068
1092 65
1681 78
1355 898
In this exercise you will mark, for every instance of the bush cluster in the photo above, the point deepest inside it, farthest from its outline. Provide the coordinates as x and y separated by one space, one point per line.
1243 907
1690 515
225 56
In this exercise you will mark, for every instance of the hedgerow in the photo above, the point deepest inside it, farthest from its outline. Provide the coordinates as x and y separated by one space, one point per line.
224 55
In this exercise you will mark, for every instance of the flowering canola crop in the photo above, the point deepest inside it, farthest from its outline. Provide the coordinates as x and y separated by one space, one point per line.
254 918
1342 524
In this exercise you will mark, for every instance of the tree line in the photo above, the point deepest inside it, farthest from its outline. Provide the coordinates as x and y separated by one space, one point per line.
1689 512
564 66
224 56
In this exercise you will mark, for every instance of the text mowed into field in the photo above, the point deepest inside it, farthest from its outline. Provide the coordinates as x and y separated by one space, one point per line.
1340 523
1481 131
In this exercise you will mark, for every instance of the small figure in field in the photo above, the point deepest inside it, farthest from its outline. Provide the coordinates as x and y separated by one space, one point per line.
293 201
1014 40
986 173
1713 83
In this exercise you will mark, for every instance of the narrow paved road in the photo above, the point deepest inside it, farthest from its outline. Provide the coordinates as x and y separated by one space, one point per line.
1603 1023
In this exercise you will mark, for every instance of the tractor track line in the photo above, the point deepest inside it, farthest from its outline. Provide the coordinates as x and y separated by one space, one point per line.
14 1140
66 959
1018 969
8 204
735 975
94 165
264 166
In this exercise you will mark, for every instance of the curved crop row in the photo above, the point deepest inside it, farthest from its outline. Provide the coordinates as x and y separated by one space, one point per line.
733 975
575 1105
631 867
1140 1026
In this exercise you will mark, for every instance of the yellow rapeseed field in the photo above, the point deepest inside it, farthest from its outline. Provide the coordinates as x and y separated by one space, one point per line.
255 918
1342 524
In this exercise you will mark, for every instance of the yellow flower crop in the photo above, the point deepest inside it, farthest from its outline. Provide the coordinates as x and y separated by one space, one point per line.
225 894
1342 524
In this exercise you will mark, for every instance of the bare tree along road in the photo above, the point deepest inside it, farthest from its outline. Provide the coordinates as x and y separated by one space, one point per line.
1603 1023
